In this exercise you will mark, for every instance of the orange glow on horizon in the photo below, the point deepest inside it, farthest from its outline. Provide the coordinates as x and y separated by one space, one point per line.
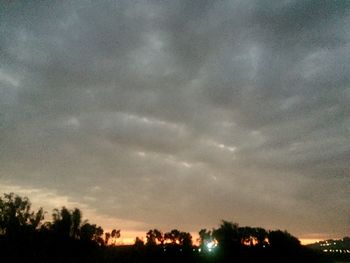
128 238
307 241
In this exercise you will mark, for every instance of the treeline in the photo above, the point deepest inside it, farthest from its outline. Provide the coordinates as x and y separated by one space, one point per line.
18 221
26 237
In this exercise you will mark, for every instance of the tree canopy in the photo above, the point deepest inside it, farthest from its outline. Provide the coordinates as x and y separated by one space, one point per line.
67 236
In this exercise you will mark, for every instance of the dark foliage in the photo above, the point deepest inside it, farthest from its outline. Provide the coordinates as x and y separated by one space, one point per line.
24 237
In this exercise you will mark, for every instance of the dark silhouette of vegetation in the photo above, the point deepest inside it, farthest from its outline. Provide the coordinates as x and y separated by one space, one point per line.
26 237
111 238
16 218
154 237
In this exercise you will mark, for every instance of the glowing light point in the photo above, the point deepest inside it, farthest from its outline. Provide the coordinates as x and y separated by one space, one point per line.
210 245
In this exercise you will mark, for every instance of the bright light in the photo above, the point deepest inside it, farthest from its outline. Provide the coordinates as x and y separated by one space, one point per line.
210 245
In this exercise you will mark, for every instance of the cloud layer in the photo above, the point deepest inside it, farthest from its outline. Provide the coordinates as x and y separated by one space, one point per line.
181 113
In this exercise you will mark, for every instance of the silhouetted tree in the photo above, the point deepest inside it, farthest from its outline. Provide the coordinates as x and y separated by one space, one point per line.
247 235
154 236
227 235
282 240
107 237
151 238
66 239
62 222
173 236
284 246
76 221
91 232
115 234
185 239
159 236
204 236
261 236
138 243
111 237
16 216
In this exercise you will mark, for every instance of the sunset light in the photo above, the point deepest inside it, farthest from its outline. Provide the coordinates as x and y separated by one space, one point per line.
159 131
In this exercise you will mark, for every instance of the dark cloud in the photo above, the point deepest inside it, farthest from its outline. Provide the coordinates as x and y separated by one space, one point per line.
177 113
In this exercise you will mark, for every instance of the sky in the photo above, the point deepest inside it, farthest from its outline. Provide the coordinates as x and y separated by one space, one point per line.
178 114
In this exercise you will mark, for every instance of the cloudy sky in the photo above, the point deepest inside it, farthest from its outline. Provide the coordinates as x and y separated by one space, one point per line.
179 113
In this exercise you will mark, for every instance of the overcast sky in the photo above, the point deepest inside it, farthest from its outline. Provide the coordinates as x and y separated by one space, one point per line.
179 113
